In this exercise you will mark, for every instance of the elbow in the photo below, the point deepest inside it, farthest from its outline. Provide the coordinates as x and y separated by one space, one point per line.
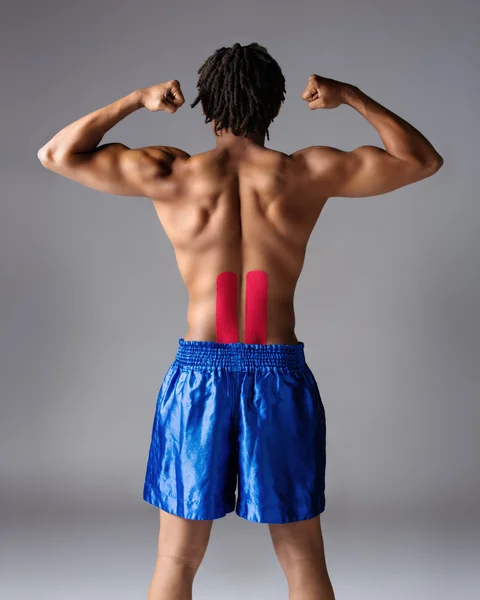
45 155
431 166
48 156
437 163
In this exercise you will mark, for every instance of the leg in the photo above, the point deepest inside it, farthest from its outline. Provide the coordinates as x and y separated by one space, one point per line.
182 544
300 552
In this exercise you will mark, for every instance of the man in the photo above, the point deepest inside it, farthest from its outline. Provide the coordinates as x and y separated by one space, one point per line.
239 398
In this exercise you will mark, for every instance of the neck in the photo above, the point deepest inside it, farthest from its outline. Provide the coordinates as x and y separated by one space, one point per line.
226 139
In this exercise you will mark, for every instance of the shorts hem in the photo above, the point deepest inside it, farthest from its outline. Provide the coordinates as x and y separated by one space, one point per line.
197 511
280 513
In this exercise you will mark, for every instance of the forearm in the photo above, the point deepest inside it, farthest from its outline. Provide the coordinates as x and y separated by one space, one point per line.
400 138
86 133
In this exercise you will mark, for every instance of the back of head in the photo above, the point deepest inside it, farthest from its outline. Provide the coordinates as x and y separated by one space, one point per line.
241 88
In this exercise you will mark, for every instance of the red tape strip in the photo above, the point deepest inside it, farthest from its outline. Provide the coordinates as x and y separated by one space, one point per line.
226 308
256 307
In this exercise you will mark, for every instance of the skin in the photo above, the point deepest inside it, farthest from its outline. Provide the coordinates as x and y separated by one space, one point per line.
241 207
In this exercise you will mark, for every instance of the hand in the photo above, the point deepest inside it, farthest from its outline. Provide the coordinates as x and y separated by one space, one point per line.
321 92
163 96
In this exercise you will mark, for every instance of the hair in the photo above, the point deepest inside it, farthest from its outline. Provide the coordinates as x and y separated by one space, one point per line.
241 88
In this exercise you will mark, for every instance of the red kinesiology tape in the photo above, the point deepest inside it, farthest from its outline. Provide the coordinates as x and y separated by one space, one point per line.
226 308
256 307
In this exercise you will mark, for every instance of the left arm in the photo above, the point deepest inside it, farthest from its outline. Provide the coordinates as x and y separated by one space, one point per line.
114 168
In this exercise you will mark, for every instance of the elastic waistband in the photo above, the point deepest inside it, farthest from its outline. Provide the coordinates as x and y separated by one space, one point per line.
240 357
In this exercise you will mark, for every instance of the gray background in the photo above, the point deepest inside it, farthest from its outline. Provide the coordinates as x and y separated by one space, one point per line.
92 304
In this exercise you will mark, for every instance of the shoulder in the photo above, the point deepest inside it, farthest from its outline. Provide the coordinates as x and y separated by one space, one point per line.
323 164
162 153
317 156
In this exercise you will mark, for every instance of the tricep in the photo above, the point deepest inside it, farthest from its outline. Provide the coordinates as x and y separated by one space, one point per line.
365 171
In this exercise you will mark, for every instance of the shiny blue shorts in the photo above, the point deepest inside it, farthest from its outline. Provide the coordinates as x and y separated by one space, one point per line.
246 411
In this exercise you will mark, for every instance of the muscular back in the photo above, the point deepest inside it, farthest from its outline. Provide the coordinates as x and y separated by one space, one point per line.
242 208
238 211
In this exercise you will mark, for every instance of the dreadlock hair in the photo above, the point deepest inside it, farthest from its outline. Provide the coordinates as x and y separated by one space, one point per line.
241 88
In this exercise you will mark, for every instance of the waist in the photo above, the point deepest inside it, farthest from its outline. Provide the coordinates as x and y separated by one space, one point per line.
220 321
238 356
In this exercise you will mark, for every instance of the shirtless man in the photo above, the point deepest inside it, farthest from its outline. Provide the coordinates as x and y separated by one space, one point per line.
239 398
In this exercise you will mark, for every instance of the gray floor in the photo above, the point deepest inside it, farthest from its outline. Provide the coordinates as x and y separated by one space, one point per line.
57 555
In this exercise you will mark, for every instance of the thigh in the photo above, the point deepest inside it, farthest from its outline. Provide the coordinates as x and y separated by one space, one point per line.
300 540
185 540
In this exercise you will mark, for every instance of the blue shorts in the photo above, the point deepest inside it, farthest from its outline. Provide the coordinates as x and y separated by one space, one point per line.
250 411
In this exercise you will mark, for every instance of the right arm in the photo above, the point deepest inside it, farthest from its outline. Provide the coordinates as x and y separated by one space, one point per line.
368 170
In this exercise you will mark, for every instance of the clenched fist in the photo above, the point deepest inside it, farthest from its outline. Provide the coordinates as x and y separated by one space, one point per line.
321 92
163 96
